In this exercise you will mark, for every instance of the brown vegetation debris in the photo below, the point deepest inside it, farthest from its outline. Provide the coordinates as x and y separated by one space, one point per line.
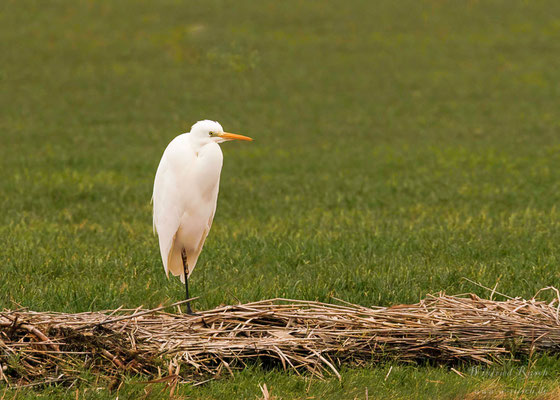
44 347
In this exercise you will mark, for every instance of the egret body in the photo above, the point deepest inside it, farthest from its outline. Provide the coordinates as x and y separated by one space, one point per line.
185 196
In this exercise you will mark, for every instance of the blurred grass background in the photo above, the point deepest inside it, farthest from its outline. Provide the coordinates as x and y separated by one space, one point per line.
400 147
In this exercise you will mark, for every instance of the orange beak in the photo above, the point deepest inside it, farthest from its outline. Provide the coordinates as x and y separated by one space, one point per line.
233 136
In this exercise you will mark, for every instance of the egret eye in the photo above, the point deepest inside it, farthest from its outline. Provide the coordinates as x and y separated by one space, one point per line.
210 133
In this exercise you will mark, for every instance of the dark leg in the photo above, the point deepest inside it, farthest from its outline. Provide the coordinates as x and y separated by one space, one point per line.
185 271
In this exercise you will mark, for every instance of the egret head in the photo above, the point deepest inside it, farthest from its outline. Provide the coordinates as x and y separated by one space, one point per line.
207 131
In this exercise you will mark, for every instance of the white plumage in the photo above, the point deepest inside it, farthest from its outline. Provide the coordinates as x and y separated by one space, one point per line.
186 192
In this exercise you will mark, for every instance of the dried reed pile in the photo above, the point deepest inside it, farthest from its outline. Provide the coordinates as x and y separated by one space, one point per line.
42 347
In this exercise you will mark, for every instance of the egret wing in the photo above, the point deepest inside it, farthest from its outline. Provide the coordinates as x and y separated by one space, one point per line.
167 197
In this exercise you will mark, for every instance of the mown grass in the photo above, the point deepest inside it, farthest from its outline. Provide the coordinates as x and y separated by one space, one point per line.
400 146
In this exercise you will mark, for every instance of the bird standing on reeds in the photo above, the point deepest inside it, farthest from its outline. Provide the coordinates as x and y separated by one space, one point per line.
185 196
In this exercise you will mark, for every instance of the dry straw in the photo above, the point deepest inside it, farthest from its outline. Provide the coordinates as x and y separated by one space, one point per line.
302 336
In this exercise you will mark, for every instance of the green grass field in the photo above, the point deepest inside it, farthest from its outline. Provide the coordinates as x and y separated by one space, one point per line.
400 147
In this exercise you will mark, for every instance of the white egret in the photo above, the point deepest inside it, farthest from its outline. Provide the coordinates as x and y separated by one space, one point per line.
185 196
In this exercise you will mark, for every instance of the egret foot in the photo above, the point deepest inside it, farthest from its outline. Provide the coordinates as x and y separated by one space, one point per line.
189 310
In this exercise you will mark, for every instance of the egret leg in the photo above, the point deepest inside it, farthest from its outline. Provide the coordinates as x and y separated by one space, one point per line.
185 271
